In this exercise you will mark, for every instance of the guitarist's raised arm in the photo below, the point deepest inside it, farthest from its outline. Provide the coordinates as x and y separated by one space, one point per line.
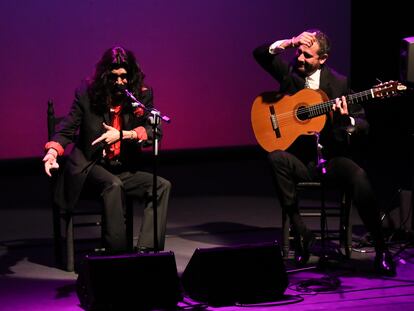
290 76
273 64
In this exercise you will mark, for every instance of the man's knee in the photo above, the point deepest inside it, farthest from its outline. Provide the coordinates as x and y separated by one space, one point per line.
113 184
164 184
277 156
360 177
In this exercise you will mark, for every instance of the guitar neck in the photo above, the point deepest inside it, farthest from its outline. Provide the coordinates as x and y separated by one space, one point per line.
325 107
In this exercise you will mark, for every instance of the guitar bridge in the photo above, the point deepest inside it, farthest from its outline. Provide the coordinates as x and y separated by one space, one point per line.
274 122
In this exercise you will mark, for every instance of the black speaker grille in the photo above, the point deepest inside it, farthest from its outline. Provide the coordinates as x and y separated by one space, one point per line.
139 281
239 274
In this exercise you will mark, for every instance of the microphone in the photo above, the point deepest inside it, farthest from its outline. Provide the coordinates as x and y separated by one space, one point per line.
136 103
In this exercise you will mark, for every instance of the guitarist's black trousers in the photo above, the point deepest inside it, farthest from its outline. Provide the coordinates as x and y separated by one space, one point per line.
341 172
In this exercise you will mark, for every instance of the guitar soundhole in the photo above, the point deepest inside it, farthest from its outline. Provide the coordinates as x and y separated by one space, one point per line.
302 113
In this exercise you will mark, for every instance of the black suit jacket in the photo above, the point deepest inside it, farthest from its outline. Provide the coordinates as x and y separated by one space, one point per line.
82 126
335 134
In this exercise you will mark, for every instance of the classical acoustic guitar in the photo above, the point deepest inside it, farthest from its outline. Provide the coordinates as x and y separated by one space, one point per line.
277 123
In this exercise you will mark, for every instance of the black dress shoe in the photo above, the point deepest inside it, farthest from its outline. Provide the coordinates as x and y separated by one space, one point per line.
384 264
303 245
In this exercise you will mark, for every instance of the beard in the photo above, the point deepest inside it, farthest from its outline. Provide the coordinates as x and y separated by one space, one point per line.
303 68
118 94
118 89
299 67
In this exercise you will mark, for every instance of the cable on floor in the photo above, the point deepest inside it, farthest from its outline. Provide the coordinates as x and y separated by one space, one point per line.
324 284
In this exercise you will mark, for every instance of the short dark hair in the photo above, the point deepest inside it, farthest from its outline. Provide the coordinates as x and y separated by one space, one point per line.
323 41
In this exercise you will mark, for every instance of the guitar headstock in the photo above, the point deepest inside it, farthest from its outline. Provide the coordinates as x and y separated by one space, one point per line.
388 89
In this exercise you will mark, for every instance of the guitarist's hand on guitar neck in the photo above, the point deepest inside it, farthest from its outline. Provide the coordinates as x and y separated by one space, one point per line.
340 106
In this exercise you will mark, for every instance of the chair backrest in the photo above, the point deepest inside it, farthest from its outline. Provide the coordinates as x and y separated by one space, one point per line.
52 120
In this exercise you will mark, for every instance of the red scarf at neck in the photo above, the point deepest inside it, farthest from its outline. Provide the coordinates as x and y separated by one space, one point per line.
115 148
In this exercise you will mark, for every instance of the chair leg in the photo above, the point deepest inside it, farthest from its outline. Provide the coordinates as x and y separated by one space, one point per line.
70 252
57 236
129 222
323 219
285 234
346 226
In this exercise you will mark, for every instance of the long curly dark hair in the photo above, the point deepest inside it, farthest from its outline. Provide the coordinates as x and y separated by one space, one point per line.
100 86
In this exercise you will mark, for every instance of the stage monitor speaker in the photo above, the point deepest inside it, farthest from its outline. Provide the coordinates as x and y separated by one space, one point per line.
241 274
399 221
407 60
129 282
406 211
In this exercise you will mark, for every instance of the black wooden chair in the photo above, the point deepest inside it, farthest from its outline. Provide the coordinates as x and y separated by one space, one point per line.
332 209
87 213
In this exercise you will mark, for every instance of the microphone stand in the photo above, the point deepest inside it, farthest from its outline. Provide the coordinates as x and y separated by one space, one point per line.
156 118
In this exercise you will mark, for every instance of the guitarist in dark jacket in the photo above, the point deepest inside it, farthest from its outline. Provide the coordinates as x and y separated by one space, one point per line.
108 134
308 70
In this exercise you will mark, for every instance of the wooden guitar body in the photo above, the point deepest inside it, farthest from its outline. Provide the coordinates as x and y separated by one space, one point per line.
276 125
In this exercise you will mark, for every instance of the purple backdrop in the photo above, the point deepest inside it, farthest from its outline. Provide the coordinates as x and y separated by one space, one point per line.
197 55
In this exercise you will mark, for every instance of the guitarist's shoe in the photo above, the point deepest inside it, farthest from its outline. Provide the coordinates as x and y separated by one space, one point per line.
303 245
384 264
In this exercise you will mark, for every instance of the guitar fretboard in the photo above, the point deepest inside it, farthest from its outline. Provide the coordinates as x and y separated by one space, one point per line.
325 107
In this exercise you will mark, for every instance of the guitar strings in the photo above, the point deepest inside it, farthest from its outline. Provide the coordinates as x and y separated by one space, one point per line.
319 109
307 112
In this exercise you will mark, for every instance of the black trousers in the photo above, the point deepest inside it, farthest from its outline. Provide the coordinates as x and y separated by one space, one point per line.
340 171
113 187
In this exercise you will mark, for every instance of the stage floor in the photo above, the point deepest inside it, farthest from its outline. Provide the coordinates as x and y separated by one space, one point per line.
29 280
